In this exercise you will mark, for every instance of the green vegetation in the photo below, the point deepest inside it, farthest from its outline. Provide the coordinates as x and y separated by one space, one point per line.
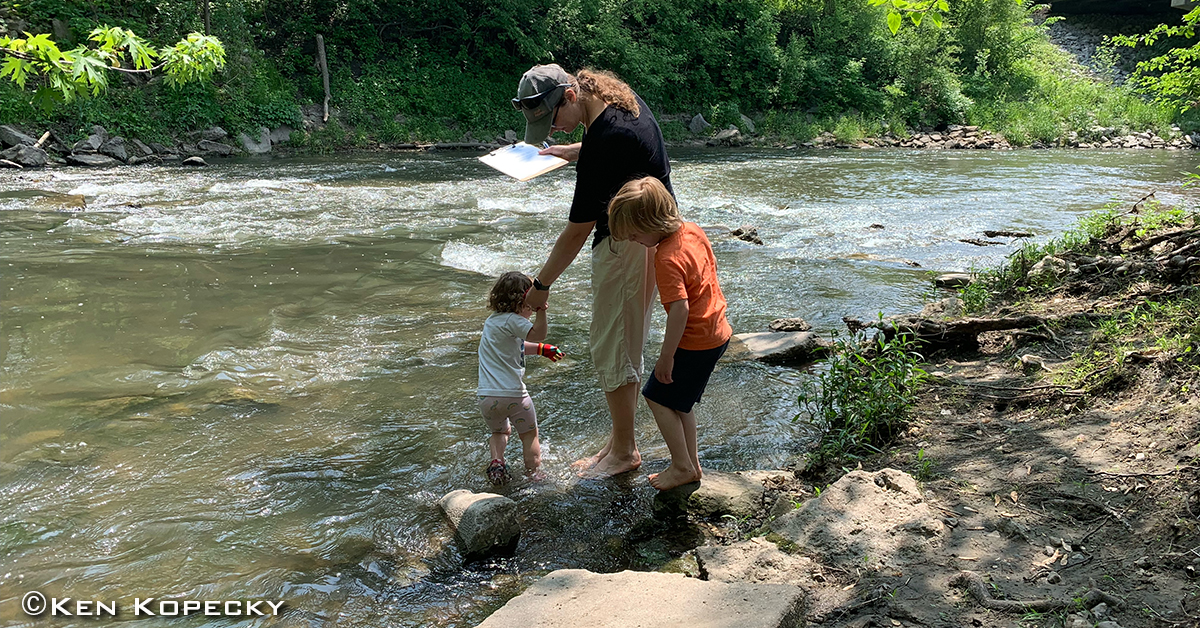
445 69
62 75
1173 77
1012 280
862 400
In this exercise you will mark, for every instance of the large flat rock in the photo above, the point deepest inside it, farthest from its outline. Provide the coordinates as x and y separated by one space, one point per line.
569 598
781 347
865 520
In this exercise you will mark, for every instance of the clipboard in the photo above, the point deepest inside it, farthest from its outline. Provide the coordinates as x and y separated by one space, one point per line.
521 161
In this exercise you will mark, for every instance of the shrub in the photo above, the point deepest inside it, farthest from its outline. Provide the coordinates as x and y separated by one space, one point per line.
861 402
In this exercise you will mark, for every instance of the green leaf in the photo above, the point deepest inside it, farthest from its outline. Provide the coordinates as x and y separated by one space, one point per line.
893 22
46 99
916 18
16 69
943 6
936 18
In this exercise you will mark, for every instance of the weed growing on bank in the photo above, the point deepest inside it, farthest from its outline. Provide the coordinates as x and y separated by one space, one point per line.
861 402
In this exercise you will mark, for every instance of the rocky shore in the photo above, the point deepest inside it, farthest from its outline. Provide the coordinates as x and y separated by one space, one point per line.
100 149
1024 493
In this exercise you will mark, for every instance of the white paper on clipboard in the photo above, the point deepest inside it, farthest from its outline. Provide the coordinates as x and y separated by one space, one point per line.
521 161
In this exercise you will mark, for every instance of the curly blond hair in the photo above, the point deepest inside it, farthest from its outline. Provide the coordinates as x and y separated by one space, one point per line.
508 294
607 87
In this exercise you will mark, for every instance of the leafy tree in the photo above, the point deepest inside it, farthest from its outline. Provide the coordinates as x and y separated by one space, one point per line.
915 10
1174 77
63 75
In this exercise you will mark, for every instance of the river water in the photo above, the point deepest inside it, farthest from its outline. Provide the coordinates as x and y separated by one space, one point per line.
255 380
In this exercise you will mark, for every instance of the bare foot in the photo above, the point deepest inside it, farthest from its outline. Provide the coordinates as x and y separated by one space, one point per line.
536 475
584 464
611 465
673 477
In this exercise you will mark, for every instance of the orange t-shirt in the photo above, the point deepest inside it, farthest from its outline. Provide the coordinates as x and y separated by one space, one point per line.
685 268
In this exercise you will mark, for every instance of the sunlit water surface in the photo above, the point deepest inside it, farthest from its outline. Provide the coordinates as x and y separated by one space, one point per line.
255 380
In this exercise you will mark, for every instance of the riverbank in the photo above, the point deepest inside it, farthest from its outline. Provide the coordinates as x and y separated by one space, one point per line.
1048 475
26 148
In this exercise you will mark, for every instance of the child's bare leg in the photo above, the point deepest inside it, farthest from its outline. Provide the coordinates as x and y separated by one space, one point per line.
689 433
532 449
682 470
497 442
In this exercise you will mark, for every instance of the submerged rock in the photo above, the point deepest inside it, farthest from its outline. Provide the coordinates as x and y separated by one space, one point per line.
484 522
749 233
568 598
195 161
789 324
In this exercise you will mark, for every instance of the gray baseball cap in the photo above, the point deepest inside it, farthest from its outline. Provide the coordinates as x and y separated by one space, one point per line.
538 95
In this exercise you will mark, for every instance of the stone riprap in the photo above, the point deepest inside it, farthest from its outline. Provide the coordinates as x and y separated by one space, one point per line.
484 522
569 598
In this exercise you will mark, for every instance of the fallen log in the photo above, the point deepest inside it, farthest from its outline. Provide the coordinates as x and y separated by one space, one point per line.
978 242
962 332
1007 234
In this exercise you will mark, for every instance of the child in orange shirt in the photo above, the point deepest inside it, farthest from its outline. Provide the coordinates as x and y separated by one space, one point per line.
697 333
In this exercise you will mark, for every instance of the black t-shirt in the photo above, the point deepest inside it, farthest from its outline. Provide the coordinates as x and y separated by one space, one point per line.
617 148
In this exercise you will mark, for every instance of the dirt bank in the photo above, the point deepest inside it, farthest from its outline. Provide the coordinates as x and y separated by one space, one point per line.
1063 459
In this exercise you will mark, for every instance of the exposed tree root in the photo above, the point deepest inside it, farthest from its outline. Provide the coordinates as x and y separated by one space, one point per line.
979 590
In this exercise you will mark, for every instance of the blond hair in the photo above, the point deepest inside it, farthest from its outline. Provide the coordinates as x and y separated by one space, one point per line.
608 87
643 206
508 294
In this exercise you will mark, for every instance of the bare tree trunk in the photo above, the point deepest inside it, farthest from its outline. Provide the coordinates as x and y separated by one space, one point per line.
324 73
206 16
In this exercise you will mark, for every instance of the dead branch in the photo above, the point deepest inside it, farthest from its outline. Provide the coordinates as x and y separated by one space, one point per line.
1162 237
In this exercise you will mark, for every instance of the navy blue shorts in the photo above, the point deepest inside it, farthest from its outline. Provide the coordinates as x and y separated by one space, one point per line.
690 374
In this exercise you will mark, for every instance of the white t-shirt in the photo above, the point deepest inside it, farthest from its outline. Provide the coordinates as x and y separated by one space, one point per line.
502 355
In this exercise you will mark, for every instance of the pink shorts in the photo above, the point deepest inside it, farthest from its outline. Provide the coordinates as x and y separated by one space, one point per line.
499 410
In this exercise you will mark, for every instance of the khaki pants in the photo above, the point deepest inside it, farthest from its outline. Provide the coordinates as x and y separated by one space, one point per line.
623 291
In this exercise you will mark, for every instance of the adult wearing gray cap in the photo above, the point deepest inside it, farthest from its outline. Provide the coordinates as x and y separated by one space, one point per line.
621 141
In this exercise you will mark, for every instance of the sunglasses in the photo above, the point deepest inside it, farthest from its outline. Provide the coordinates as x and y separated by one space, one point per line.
535 101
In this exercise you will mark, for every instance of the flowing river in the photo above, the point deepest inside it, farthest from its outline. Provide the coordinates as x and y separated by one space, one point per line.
254 380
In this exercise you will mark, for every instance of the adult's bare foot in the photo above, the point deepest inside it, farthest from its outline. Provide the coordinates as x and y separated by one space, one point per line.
585 464
611 465
673 477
